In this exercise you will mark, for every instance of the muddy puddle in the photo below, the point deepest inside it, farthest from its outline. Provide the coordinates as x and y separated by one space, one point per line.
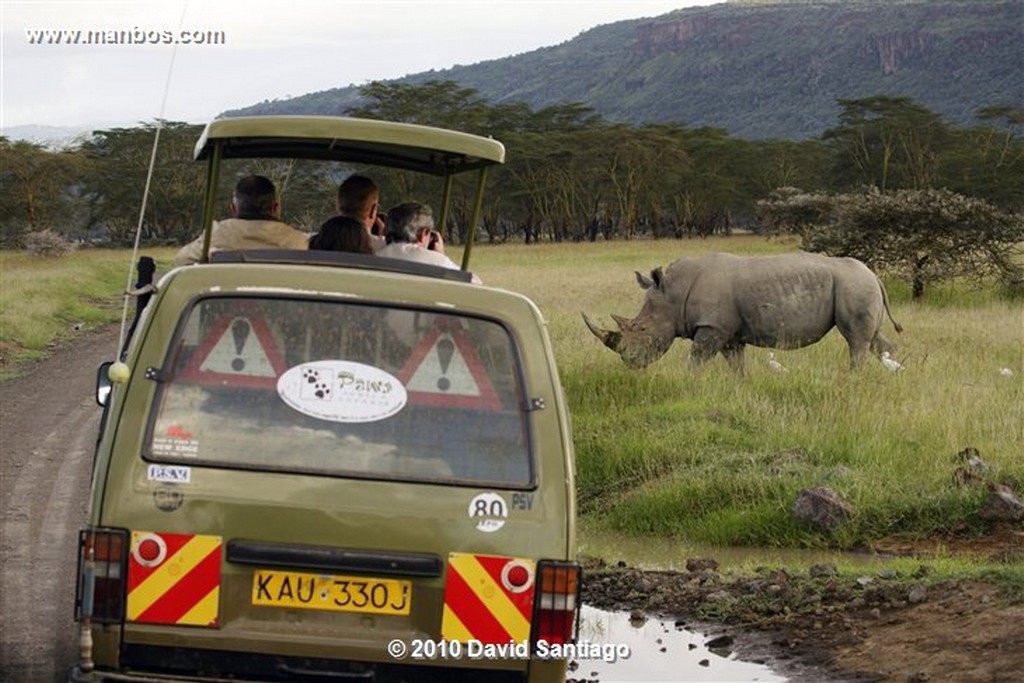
616 648
661 649
671 554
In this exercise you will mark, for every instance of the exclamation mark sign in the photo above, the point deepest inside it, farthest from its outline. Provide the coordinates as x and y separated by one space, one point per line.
445 350
240 332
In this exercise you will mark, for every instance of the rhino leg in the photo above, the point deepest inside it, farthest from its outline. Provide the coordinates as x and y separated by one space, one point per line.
706 343
859 331
880 345
734 355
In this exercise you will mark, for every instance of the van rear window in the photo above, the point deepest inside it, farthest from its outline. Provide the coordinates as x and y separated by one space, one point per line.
343 389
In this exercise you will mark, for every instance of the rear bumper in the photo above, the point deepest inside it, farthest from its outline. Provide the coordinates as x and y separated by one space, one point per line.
150 664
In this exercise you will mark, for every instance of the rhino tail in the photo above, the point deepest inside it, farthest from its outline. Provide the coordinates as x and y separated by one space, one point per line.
885 302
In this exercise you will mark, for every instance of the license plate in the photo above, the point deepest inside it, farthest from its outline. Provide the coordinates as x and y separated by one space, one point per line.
328 592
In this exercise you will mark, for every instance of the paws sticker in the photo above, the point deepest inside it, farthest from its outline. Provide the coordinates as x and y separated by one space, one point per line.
315 385
342 391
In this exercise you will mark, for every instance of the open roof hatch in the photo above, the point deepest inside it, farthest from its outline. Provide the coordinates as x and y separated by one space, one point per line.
423 149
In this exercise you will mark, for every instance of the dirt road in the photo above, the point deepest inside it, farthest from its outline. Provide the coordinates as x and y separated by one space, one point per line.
48 423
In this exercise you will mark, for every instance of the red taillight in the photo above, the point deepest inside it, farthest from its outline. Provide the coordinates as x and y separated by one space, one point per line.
101 574
556 603
518 577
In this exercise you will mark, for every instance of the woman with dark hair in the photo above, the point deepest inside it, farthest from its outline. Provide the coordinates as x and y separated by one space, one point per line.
342 233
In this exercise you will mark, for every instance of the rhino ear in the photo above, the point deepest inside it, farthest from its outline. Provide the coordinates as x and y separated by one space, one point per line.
659 278
644 282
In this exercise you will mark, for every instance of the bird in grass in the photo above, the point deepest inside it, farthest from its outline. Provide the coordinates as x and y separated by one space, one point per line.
775 365
889 362
1006 372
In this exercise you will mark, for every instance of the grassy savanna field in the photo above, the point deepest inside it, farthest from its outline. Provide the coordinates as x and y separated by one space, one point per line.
703 455
712 458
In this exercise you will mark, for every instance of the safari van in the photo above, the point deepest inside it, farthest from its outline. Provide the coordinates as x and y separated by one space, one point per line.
325 466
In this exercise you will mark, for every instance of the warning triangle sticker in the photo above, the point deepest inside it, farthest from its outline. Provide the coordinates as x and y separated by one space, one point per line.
445 370
239 351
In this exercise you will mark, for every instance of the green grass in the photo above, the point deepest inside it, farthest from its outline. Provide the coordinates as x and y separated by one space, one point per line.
705 456
48 300
702 455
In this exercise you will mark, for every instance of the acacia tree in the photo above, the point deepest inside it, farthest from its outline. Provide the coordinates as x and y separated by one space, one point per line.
887 142
989 159
119 160
36 189
711 184
790 210
923 236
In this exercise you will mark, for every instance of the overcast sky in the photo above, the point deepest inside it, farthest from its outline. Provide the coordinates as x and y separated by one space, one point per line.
271 49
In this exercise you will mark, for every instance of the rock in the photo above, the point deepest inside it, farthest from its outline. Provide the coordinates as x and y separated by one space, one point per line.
967 454
822 507
701 564
917 595
822 570
720 642
972 469
922 571
1002 505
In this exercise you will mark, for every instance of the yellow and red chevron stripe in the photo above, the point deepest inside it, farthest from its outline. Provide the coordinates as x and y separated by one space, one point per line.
479 604
174 579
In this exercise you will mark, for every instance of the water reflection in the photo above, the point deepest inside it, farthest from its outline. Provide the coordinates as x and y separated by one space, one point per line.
654 552
657 651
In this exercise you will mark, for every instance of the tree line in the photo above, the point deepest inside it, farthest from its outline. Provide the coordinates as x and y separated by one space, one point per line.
571 175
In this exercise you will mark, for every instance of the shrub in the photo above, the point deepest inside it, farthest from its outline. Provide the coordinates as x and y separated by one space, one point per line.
47 243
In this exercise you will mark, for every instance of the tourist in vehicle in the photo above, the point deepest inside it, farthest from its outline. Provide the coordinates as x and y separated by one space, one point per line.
255 223
359 197
411 236
342 233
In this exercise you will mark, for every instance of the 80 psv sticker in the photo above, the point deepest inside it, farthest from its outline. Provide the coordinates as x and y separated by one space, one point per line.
489 511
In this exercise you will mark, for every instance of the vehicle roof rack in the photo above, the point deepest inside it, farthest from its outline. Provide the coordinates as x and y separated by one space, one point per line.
426 149
338 259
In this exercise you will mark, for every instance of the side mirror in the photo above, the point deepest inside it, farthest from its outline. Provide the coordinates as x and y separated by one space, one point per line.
103 384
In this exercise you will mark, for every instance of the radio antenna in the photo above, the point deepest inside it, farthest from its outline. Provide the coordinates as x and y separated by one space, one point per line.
145 192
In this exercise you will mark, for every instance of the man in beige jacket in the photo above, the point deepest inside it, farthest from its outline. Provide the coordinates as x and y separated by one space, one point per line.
254 224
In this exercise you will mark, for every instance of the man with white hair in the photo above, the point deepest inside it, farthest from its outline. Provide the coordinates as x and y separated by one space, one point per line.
411 236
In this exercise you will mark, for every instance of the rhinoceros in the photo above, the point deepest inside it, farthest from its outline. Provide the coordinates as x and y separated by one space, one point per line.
724 302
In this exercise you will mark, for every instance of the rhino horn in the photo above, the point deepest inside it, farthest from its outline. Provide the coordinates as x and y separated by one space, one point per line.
623 323
608 338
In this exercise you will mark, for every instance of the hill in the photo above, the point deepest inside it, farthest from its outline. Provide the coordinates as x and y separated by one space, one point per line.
760 69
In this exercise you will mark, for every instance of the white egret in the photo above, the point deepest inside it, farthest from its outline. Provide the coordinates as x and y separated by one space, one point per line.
889 362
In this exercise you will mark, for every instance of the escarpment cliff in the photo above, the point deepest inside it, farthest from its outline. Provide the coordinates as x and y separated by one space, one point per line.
757 68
